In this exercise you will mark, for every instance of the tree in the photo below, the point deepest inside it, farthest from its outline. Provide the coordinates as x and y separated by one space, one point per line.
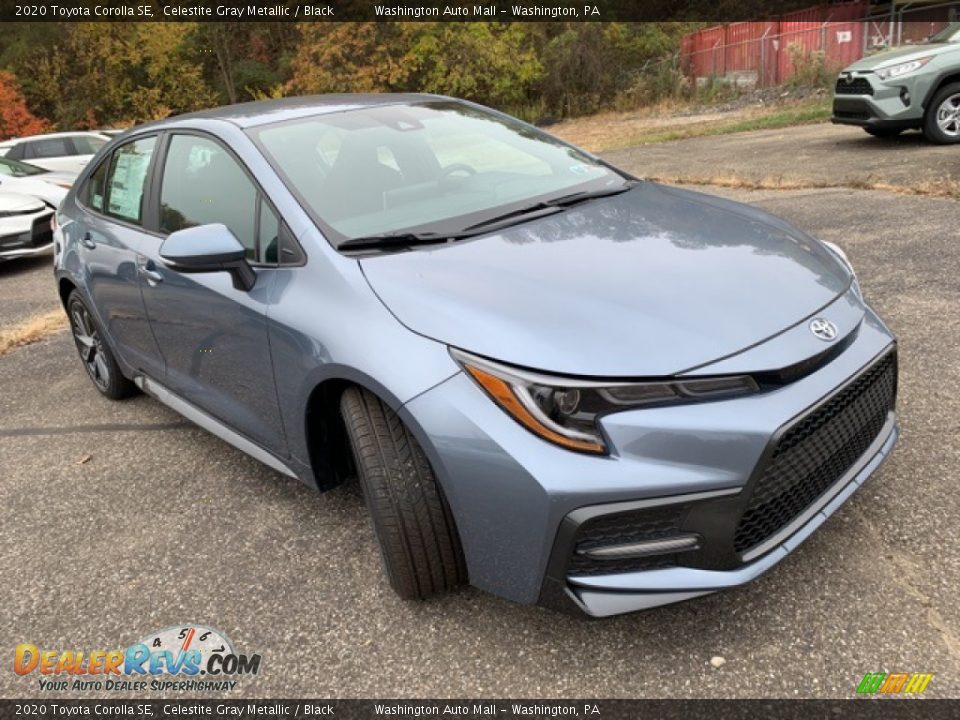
103 74
15 119
353 57
491 63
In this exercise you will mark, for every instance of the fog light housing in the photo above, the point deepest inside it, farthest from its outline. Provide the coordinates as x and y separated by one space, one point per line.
644 548
905 96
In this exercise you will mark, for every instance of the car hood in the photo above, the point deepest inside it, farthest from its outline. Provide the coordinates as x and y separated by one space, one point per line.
44 189
652 282
903 54
12 202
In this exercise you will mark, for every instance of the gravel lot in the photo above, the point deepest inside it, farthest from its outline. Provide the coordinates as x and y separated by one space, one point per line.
815 154
117 519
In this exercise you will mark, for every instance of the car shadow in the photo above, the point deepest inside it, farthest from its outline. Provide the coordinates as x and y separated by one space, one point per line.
908 138
19 266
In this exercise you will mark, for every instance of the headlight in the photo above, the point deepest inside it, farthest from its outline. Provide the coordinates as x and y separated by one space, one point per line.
566 411
892 71
842 257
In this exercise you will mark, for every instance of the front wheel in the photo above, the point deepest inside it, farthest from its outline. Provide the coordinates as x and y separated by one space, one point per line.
97 357
412 521
941 124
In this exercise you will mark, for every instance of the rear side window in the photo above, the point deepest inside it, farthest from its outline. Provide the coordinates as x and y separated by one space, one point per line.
87 144
126 178
203 184
48 148
95 188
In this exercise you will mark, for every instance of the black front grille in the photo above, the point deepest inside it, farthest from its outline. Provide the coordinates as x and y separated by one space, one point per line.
621 529
856 86
40 232
815 453
848 115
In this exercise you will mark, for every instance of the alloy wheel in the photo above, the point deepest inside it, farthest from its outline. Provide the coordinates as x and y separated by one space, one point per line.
948 115
89 345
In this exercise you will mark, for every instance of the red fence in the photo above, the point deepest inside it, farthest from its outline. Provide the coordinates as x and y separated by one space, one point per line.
769 52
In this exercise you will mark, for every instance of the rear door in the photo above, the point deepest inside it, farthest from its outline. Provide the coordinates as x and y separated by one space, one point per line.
213 337
107 233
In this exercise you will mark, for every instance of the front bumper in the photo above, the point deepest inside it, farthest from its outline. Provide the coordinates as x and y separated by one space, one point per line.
26 235
601 596
865 101
518 500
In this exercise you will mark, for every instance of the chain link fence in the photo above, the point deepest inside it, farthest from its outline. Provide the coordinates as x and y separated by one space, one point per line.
802 47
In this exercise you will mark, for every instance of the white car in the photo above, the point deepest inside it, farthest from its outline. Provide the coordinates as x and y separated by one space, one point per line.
25 227
26 179
68 151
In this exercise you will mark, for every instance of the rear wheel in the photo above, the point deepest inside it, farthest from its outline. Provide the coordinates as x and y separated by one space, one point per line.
411 519
941 123
881 132
97 358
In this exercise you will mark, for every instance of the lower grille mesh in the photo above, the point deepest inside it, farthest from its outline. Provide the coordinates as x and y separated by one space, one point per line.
621 529
815 453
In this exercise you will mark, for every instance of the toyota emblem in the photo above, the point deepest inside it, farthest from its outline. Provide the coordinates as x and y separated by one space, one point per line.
823 329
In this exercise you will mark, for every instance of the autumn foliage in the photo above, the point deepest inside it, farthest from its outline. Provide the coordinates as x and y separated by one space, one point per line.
98 74
15 119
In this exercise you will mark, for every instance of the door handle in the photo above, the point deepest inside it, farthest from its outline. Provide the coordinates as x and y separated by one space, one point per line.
87 241
151 276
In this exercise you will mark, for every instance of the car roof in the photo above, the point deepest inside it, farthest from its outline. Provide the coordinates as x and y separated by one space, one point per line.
44 136
261 112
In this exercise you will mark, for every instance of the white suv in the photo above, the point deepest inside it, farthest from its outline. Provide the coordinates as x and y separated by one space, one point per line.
66 152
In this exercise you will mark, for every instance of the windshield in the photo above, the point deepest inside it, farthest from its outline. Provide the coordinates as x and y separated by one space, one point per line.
16 168
951 33
432 167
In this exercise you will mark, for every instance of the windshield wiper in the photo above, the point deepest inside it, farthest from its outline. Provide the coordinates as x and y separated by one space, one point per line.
548 207
539 209
403 239
579 197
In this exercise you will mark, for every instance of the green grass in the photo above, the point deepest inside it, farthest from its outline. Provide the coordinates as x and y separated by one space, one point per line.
800 114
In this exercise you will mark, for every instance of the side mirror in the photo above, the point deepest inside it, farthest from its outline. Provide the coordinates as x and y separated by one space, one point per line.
208 248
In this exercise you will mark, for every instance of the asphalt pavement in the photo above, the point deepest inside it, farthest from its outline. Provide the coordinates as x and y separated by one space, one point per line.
117 519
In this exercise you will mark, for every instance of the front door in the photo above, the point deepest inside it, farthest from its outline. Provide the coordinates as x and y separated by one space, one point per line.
212 336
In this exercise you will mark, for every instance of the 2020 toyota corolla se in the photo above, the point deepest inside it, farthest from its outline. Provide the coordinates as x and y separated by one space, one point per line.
553 380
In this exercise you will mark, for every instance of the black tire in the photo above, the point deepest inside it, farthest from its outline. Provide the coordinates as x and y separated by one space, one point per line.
948 94
412 521
97 358
884 133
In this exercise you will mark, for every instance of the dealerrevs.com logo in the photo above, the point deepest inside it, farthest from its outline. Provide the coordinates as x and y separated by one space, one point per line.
898 683
188 657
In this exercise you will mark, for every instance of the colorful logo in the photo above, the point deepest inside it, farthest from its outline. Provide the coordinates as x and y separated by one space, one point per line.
186 652
902 683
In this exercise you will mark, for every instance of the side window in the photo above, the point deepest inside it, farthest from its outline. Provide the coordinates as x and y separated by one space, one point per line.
87 144
50 147
126 178
203 184
94 189
15 152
